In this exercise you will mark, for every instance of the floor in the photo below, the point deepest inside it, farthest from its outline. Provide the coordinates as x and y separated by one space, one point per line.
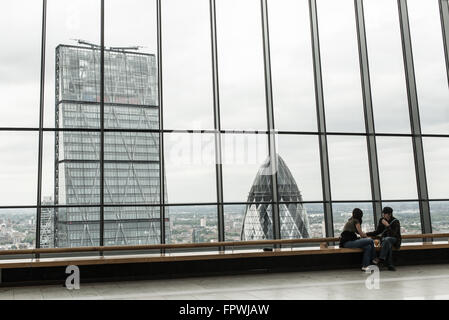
408 282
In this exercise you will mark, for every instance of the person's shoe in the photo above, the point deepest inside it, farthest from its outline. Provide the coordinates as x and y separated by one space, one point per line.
391 268
376 261
364 269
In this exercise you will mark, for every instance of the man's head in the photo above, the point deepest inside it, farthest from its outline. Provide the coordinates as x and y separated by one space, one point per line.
387 212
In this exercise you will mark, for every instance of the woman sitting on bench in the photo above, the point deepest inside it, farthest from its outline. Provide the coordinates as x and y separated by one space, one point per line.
349 239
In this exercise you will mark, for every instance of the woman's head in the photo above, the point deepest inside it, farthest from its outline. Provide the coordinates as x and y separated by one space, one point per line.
357 214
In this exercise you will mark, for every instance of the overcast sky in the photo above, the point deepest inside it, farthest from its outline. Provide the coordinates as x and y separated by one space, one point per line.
188 99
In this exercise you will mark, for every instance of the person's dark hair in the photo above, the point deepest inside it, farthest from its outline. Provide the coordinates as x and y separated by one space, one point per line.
387 210
357 214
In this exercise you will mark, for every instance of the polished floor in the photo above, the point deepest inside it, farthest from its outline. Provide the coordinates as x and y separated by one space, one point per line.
408 282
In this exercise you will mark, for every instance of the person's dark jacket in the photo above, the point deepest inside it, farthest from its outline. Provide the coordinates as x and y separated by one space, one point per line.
393 230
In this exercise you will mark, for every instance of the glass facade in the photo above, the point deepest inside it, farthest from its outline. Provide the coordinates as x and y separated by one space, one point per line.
221 120
131 159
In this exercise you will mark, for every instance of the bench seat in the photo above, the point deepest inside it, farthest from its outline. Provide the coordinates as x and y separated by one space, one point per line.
199 256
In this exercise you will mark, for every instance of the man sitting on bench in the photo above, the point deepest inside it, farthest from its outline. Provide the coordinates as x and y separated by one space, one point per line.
389 232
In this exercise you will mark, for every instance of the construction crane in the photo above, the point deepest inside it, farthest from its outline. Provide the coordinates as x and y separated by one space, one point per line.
86 43
125 48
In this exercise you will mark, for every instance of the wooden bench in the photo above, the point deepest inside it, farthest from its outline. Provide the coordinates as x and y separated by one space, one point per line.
285 248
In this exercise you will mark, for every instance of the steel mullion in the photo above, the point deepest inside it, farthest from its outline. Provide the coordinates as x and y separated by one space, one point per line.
127 205
412 94
41 125
270 120
217 123
444 14
368 110
113 104
161 123
102 98
319 96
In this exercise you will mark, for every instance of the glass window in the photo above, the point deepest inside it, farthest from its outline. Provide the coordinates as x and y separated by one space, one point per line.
396 168
429 61
131 23
20 57
131 80
311 224
257 223
17 229
349 169
245 167
436 154
132 225
77 177
292 65
439 211
315 216
48 169
132 168
191 224
73 67
300 168
343 211
302 220
241 65
388 87
408 215
190 168
18 168
187 65
233 219
340 65
298 220
74 227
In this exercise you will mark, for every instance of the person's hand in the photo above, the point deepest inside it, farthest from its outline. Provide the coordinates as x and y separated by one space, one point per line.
363 235
385 223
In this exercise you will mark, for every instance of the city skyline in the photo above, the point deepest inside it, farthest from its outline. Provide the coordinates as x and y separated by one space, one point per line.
306 90
291 50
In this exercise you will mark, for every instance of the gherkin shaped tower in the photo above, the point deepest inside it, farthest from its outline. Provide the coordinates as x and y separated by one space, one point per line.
258 221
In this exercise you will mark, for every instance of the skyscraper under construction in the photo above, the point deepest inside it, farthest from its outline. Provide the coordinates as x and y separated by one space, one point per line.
131 159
